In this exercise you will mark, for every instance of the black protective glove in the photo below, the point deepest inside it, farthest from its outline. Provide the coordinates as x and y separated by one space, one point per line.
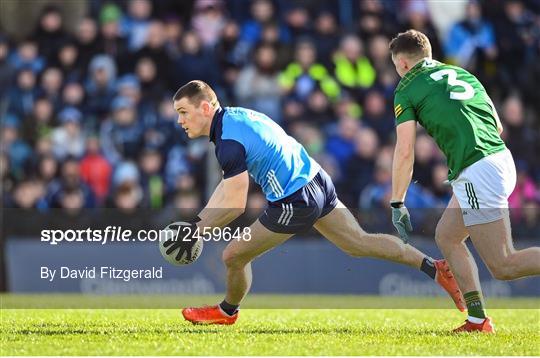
183 240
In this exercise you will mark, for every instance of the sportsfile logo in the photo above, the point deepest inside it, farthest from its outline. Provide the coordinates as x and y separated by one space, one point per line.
104 236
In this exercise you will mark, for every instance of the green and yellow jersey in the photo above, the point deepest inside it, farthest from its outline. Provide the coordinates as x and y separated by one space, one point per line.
454 108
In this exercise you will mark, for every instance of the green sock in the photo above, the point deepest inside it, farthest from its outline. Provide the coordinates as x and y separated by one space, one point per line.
475 304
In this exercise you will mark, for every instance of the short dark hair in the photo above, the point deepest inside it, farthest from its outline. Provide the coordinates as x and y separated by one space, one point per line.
412 43
196 91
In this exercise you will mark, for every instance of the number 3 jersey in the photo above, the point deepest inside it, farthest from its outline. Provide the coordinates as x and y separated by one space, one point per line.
454 108
249 140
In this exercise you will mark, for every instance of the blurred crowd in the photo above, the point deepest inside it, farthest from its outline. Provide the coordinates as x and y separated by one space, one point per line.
87 116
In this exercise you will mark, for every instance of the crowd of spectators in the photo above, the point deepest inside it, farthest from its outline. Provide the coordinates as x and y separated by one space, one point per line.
87 117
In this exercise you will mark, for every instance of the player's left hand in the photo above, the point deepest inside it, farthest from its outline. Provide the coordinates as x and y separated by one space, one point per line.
183 240
401 220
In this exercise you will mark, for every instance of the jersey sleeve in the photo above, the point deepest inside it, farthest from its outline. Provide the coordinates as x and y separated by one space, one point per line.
403 108
231 158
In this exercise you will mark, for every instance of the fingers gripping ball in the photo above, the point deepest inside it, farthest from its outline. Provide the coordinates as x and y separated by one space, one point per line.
178 245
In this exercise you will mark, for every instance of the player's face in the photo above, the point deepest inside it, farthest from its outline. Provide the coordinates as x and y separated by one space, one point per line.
194 119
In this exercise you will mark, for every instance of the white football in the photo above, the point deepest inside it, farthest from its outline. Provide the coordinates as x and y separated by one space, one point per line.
171 231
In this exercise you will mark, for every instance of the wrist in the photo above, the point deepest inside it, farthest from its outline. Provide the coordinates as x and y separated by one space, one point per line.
396 204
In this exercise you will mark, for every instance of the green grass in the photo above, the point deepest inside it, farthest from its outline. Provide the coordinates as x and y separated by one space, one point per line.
264 331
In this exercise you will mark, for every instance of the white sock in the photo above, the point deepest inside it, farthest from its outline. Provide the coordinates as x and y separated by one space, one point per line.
475 320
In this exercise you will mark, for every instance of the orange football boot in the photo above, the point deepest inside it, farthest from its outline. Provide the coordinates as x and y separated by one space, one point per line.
484 327
208 315
445 278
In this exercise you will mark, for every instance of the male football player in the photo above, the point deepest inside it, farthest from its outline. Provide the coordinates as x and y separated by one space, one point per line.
300 195
454 108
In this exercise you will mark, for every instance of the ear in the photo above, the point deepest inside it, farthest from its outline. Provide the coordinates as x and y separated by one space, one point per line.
205 105
403 63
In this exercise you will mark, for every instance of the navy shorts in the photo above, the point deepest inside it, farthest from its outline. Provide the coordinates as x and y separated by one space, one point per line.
298 212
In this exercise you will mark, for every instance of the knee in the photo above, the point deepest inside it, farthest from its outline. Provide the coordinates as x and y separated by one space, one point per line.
502 271
232 259
443 237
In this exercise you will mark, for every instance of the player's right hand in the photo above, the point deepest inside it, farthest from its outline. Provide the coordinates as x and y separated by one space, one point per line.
183 240
402 221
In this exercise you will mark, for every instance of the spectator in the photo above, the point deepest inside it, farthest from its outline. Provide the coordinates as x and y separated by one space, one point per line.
126 192
326 36
519 138
122 135
319 110
27 57
136 23
377 116
525 191
73 96
28 194
152 183
51 85
21 97
417 17
352 69
154 49
40 122
151 88
208 21
100 86
195 63
230 56
96 170
262 12
166 132
68 140
360 165
257 86
297 18
374 19
424 161
128 86
513 32
270 37
86 40
19 152
377 192
173 35
70 179
112 41
341 141
379 54
67 60
471 41
8 180
47 169
441 187
303 76
50 34
6 69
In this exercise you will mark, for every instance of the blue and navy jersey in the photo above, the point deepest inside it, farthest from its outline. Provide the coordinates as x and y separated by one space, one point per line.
249 140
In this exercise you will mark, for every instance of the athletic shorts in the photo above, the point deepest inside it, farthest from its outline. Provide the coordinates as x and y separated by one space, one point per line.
482 189
298 212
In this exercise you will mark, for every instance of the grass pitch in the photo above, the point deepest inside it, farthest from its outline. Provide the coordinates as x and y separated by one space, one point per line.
265 331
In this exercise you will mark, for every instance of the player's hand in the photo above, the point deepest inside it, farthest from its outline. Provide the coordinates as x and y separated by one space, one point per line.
183 240
401 220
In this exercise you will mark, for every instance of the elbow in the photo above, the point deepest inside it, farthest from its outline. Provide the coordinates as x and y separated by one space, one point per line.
405 154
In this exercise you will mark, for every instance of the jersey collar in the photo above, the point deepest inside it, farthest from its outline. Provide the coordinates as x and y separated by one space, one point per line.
216 120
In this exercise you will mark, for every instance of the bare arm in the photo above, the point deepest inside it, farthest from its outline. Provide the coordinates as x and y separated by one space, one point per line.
402 167
216 196
227 202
